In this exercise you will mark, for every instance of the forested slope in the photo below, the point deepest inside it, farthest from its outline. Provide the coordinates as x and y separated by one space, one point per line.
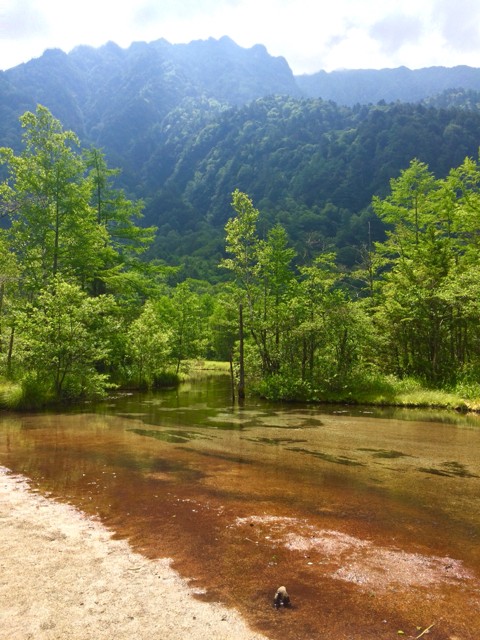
189 124
309 164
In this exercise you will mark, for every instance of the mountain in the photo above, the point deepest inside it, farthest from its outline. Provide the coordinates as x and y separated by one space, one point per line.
116 98
309 164
188 124
145 81
369 86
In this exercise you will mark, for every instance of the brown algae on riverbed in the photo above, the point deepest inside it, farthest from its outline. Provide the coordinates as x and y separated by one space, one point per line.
365 550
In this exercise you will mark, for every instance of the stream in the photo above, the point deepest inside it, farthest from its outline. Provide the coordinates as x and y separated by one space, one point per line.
369 517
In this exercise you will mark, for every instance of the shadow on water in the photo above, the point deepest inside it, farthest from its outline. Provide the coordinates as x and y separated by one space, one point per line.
169 435
370 518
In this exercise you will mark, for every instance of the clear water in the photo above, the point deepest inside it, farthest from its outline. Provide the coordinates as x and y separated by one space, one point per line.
370 518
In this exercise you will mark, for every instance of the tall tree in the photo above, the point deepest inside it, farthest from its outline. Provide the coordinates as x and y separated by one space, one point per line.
118 217
53 228
275 271
428 294
9 274
64 337
181 315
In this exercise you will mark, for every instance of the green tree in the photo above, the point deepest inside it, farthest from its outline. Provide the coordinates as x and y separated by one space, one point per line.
148 347
181 314
125 240
428 301
262 273
275 271
53 229
242 243
9 274
63 338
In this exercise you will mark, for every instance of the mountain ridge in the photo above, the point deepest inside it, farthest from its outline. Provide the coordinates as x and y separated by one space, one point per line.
188 124
364 86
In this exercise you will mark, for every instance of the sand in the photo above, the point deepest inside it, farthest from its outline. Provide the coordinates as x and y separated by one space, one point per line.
62 575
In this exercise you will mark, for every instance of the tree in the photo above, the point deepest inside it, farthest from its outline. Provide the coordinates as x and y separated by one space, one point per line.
125 240
148 347
53 229
275 271
224 329
182 315
67 224
262 273
428 302
9 273
243 244
63 338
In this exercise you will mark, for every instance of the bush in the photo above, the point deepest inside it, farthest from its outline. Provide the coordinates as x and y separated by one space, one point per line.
283 387
166 379
31 393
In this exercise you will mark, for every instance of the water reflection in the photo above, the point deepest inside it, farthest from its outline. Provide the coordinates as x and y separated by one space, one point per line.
346 505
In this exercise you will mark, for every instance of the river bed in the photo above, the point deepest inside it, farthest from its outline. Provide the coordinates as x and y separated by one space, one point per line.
370 518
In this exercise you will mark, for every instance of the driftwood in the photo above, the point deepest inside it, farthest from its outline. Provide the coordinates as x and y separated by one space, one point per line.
425 631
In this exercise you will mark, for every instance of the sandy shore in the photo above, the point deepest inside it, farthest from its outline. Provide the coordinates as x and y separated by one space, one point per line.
62 576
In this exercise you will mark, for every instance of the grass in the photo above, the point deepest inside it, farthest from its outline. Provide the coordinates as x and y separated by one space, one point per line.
209 365
11 396
376 391
401 393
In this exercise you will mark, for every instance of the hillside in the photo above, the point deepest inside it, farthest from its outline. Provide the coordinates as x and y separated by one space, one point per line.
369 86
188 124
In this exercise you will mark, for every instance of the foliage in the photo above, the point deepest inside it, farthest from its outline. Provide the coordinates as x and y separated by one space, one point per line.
182 313
428 306
71 238
118 217
82 307
189 124
52 228
62 338
148 347
305 335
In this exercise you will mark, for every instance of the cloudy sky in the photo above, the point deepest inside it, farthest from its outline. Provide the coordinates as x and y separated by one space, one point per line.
310 34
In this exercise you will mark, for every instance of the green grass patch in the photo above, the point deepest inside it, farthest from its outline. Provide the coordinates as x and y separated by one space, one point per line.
209 365
375 390
28 395
10 395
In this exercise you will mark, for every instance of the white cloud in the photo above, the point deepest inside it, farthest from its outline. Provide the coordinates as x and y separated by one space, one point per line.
309 34
394 31
21 20
459 23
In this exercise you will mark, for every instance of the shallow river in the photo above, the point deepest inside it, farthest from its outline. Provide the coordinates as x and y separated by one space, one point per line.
371 519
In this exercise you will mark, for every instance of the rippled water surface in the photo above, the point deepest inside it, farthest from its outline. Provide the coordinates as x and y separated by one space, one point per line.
370 518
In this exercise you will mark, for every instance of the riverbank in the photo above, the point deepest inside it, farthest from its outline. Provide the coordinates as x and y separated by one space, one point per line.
378 391
63 576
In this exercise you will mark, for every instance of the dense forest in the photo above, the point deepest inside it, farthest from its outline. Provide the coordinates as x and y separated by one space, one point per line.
308 164
189 124
164 203
81 311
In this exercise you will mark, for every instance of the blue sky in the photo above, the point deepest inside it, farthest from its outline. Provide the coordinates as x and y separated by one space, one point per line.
310 34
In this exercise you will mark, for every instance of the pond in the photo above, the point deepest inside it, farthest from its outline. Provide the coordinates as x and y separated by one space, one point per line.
370 518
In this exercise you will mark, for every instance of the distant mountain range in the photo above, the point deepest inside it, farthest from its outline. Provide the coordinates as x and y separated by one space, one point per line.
369 86
189 123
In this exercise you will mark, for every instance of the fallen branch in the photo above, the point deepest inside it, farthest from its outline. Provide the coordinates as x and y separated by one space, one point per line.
425 631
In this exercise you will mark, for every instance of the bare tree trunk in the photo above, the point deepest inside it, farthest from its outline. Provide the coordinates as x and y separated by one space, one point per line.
232 377
241 381
2 292
10 351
